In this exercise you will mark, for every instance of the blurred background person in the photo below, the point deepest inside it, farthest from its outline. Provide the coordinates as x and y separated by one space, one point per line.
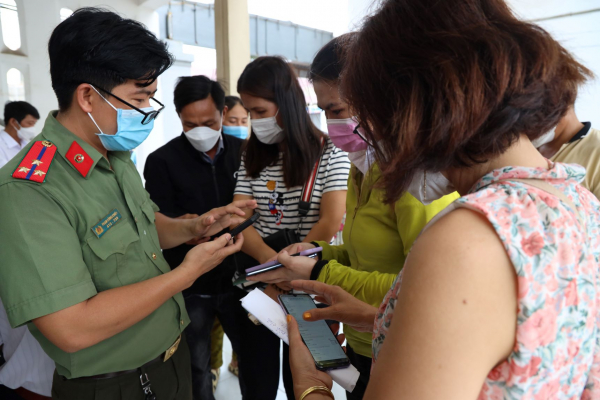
235 119
235 123
187 177
574 142
284 149
25 369
498 297
377 236
24 366
20 118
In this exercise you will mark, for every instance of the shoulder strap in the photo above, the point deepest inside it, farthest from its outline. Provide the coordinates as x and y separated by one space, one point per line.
37 161
546 187
309 186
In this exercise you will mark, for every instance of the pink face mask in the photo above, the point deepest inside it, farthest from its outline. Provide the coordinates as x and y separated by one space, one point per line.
341 132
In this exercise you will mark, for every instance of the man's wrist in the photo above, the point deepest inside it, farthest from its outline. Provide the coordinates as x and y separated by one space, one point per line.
183 276
190 228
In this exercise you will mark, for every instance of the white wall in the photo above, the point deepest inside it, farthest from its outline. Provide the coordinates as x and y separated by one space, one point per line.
580 34
167 126
39 17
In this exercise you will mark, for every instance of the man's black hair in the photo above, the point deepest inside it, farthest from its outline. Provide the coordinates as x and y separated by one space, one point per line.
193 88
19 110
99 47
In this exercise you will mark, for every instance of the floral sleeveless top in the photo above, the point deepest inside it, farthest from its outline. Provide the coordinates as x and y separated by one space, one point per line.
557 349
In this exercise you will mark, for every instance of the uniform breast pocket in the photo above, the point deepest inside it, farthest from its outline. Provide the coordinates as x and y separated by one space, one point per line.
116 258
149 213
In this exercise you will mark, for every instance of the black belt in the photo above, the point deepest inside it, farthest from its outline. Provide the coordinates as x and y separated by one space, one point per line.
162 357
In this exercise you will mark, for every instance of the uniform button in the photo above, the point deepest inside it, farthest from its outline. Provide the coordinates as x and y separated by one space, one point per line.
181 322
135 219
154 256
144 232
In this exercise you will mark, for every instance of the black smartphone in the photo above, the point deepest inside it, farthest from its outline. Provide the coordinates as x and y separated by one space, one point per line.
238 229
321 342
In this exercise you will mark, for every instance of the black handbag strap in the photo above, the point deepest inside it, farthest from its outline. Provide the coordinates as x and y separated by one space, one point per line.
309 186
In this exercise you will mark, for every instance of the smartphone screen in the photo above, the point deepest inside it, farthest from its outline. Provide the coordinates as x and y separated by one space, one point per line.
321 342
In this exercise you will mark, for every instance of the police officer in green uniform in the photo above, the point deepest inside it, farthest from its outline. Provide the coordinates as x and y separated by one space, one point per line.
80 238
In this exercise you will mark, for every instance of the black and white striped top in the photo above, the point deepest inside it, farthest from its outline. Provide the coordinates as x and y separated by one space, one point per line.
278 205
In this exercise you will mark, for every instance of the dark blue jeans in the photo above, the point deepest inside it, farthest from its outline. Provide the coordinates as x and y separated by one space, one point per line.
202 310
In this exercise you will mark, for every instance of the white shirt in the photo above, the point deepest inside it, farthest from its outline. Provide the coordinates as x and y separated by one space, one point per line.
9 147
27 365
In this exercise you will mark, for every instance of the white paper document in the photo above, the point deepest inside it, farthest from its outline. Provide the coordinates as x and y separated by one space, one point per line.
271 315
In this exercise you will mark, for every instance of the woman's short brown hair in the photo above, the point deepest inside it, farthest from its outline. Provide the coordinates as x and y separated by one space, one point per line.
443 84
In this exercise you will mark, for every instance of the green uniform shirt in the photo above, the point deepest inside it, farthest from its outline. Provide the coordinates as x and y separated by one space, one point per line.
52 258
377 239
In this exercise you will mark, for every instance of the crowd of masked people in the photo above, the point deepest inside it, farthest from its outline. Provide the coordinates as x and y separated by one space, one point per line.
469 267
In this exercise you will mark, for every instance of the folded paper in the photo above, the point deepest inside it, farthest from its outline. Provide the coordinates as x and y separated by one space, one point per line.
271 315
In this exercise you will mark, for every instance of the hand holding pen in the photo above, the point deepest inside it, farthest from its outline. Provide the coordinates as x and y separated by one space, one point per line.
286 268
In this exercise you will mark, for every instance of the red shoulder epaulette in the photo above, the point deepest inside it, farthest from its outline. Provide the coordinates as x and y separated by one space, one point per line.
36 163
79 159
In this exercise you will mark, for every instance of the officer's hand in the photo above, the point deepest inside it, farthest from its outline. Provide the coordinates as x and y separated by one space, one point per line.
206 256
217 219
197 240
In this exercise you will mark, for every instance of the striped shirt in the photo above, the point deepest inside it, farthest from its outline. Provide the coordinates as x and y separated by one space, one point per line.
27 365
278 205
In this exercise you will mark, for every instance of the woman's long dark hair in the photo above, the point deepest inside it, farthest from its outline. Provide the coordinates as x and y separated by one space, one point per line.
272 78
449 84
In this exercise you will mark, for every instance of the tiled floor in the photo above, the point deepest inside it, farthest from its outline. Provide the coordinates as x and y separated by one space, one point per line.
229 388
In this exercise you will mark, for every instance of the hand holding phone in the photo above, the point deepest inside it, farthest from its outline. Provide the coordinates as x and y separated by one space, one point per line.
321 342
238 229
302 363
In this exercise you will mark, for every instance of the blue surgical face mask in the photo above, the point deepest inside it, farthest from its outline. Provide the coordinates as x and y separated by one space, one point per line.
240 132
130 131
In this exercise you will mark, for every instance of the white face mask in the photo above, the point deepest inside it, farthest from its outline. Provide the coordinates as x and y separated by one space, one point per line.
428 187
204 138
362 159
267 130
544 139
25 133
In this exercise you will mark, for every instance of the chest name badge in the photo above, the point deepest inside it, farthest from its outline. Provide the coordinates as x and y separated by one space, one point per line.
106 223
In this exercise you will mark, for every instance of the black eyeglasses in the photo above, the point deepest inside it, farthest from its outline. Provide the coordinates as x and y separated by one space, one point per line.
356 132
148 116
